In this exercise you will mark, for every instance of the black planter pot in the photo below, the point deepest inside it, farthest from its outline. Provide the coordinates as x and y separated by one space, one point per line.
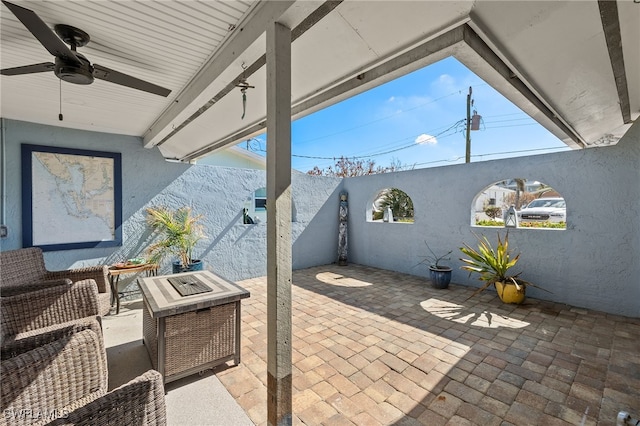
195 265
440 277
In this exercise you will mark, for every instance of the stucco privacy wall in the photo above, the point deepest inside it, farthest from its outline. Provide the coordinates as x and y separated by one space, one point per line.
594 263
233 249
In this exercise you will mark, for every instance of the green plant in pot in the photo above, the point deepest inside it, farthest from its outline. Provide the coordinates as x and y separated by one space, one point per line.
492 264
439 273
177 232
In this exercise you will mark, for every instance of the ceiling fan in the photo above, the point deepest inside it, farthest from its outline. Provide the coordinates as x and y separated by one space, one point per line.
70 65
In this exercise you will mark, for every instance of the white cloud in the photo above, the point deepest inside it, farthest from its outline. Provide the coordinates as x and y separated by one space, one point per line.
445 84
425 139
446 79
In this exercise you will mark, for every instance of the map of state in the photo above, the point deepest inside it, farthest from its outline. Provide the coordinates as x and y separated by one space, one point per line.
76 190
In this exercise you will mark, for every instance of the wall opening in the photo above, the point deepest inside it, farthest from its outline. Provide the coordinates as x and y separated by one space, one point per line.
536 205
391 205
255 208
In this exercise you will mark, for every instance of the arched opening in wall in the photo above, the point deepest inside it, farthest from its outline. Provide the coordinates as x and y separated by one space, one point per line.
391 205
519 202
255 208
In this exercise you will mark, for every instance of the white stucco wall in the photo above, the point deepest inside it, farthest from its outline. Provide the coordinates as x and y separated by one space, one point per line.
232 249
594 263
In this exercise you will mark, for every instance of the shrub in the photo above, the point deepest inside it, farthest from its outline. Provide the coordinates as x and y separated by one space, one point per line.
485 222
560 225
493 212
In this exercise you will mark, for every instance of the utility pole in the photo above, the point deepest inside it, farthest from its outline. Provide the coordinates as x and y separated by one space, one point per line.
473 123
468 150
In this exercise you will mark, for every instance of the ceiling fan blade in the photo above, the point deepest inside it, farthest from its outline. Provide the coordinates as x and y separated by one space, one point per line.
106 74
42 32
29 69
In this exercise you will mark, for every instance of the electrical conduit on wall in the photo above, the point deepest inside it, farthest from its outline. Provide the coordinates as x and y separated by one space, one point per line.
3 184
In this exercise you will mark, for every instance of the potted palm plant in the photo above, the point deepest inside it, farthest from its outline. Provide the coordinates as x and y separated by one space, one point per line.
439 273
492 264
177 233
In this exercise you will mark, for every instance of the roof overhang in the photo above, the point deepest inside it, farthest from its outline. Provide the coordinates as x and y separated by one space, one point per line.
572 82
569 64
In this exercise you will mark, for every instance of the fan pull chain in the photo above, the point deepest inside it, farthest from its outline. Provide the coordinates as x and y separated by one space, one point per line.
243 85
244 102
60 115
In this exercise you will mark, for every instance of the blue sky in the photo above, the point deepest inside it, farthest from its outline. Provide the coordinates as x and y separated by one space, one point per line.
412 120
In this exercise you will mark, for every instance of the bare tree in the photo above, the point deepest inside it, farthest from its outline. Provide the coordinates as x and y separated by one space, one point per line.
346 167
525 198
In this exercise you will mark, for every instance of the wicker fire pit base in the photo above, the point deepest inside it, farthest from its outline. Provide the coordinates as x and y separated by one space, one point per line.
188 334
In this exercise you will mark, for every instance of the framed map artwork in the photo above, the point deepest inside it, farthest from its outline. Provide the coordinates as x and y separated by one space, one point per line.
71 198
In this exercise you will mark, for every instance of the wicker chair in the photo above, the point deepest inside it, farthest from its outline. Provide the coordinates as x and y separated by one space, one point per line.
58 371
29 312
23 269
24 342
139 402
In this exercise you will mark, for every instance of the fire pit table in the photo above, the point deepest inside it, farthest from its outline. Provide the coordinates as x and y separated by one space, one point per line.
191 322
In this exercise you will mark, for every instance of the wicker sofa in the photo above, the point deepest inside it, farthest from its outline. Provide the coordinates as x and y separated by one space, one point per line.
24 269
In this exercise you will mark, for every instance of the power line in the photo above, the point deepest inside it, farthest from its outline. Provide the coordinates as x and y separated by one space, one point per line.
428 132
505 115
511 119
438 135
380 119
413 143
512 125
374 154
452 160
441 135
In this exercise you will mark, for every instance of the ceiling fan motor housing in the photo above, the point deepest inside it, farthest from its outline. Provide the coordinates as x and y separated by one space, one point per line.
74 73
70 65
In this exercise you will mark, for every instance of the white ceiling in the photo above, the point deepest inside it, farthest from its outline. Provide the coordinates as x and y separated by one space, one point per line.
549 58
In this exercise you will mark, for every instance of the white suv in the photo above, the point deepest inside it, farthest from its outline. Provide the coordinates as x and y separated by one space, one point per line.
544 210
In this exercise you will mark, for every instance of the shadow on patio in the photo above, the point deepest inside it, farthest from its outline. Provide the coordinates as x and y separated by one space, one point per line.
378 347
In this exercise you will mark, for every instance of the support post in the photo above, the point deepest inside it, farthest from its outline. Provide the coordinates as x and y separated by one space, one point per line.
467 157
279 270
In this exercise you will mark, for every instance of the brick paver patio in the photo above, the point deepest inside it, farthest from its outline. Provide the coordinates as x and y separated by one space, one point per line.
374 347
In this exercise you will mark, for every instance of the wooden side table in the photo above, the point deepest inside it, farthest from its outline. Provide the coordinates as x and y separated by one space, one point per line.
150 269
